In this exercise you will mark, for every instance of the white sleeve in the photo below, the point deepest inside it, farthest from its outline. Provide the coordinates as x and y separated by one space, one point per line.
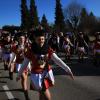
59 62
24 65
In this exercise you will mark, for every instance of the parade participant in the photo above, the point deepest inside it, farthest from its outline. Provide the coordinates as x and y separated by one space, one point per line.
54 42
6 48
41 73
0 52
1 49
86 38
18 57
67 46
81 43
12 62
96 50
61 41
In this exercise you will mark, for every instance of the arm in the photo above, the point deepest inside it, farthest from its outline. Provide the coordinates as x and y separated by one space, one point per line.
59 62
70 42
86 44
77 44
93 47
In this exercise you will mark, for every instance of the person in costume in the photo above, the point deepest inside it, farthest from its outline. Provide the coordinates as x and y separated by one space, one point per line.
53 42
6 48
80 46
67 46
1 48
96 50
18 50
39 54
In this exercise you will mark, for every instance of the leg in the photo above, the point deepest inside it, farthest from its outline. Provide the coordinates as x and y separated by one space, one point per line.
45 95
24 85
11 70
24 80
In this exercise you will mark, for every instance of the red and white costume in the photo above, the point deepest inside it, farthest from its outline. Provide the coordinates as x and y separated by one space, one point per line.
18 55
1 50
41 73
96 47
6 49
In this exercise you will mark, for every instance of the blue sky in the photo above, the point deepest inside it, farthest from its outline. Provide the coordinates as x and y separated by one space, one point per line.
10 9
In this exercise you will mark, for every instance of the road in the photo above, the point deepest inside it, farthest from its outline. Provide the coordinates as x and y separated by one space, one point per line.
86 85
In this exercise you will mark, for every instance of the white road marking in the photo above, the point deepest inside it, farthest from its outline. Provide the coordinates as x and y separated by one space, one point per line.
8 93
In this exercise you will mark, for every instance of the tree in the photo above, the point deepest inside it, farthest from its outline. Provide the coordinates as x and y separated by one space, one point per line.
97 27
84 20
88 22
92 22
33 14
25 19
59 17
72 18
44 20
44 23
11 28
72 15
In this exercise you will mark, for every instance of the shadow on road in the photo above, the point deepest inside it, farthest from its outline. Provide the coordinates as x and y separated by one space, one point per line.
5 77
79 69
3 82
97 99
13 99
1 69
18 90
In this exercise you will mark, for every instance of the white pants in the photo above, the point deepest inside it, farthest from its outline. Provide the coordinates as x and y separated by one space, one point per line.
18 66
66 46
38 79
81 49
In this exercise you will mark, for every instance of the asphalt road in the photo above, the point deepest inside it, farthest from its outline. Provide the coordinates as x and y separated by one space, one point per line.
86 85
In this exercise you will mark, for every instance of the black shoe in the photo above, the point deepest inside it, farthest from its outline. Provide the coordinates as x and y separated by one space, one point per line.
26 95
11 75
5 67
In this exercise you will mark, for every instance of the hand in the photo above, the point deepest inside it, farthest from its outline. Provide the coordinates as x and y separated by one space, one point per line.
71 75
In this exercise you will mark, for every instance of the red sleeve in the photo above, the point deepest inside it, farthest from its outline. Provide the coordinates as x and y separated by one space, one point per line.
28 52
50 52
13 48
